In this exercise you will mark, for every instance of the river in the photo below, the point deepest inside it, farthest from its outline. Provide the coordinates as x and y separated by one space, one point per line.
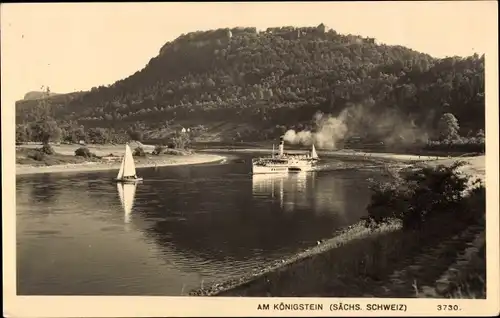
182 227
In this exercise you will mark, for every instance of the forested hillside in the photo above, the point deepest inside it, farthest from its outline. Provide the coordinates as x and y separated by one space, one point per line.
264 83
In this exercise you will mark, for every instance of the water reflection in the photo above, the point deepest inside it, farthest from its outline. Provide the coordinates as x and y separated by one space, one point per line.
126 192
320 193
290 189
264 185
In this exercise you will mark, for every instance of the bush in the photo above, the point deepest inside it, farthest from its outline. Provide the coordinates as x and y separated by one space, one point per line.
139 152
47 149
38 155
83 152
135 135
176 152
476 202
181 140
158 150
418 196
464 144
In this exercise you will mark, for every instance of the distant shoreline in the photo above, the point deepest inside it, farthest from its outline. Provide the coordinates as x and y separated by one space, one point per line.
101 166
342 153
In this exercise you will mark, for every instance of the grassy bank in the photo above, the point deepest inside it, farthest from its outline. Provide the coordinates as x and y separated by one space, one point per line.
26 156
442 257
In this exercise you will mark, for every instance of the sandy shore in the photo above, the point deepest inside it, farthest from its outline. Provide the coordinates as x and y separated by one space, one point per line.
160 161
475 167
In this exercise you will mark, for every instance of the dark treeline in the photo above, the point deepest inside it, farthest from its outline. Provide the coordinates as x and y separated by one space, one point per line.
276 80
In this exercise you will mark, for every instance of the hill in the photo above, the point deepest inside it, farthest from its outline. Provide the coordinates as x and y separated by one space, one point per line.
257 85
34 95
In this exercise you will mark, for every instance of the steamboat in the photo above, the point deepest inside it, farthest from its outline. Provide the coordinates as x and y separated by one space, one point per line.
285 163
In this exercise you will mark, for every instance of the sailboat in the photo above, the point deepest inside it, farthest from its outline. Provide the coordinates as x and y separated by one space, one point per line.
314 154
127 172
304 163
126 192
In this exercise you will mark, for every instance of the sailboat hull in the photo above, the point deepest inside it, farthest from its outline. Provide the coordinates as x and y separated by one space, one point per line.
128 180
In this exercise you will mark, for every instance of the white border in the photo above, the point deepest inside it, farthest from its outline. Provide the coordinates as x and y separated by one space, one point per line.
69 306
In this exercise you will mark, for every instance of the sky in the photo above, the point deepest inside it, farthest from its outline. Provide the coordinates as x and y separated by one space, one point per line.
75 46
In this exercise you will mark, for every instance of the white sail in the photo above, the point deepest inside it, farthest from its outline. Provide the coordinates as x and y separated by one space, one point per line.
128 163
314 155
126 192
120 172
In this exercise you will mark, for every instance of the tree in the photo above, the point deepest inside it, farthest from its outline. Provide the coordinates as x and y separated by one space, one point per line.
135 134
43 110
45 130
83 152
74 134
22 133
418 196
480 135
98 135
139 152
448 127
181 140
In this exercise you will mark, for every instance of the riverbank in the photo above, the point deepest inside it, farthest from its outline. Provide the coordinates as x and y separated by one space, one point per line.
387 262
344 153
151 161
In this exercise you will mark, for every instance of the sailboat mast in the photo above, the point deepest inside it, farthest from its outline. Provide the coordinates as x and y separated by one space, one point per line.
125 159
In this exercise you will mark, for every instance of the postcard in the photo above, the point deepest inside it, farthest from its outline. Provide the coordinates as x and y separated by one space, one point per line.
250 159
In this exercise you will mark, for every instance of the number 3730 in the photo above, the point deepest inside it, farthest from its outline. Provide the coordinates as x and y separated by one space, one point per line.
448 307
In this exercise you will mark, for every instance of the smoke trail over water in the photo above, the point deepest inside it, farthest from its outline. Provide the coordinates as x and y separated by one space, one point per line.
329 130
358 120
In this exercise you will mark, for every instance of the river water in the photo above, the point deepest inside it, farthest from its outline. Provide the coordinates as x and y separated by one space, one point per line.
182 227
